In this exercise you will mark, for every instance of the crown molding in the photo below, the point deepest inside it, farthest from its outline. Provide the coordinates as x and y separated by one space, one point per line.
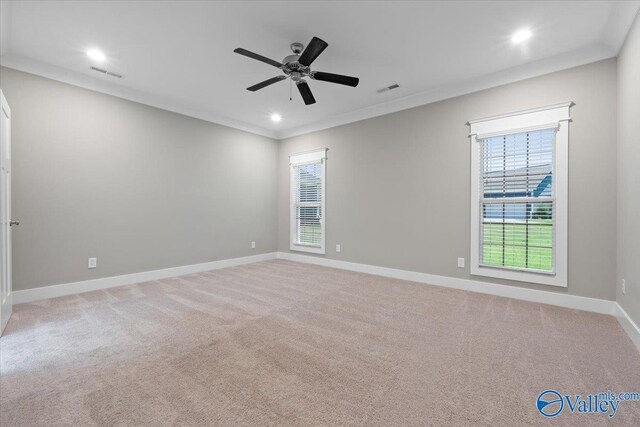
614 34
619 23
522 72
561 62
31 66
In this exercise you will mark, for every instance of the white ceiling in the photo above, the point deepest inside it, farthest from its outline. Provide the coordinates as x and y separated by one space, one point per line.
179 55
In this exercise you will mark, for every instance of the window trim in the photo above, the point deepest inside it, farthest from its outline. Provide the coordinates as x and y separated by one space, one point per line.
307 157
554 116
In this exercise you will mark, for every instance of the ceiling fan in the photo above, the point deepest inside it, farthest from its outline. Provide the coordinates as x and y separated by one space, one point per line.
297 67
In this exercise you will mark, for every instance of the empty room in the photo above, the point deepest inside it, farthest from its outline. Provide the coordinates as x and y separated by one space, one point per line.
320 213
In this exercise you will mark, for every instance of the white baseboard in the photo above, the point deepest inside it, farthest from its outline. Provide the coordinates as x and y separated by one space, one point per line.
53 291
629 326
544 297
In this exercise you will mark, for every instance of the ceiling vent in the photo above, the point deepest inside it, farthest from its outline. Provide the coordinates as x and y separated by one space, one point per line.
109 73
391 87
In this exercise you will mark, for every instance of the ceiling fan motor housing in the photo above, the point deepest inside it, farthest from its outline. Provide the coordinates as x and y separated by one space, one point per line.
291 67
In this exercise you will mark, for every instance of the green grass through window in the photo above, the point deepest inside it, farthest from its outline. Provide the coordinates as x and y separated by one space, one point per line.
518 245
310 234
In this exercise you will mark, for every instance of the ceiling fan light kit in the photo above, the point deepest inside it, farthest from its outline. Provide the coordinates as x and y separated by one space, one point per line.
297 67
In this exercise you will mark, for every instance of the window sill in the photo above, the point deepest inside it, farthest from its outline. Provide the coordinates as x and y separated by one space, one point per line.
307 248
520 276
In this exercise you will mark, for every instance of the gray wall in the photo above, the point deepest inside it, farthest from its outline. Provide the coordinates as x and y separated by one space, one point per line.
138 187
143 189
629 172
398 185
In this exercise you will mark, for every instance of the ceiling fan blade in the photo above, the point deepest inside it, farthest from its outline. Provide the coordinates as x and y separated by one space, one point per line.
335 78
264 59
313 50
307 96
266 83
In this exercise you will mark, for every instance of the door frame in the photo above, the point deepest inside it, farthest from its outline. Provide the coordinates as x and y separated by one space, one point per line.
6 292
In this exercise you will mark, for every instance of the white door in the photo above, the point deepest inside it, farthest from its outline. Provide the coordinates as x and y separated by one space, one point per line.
5 212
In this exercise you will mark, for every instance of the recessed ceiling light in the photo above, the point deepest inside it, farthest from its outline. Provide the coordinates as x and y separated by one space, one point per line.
276 117
96 55
521 36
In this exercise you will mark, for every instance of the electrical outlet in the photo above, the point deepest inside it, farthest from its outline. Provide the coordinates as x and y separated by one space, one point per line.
93 263
624 287
253 245
337 248
460 262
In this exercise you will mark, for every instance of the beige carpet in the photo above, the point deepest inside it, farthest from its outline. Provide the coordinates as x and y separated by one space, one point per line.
282 343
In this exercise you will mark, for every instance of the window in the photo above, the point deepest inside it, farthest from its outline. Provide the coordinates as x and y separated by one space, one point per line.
519 196
308 201
517 201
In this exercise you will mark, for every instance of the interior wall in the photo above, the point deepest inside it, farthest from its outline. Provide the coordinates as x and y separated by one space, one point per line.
398 186
629 173
116 182
137 187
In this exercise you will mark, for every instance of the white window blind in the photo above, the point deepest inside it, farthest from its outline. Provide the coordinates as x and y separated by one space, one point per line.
308 182
307 201
517 201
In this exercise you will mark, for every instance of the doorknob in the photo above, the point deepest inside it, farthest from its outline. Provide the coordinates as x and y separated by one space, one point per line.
14 222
